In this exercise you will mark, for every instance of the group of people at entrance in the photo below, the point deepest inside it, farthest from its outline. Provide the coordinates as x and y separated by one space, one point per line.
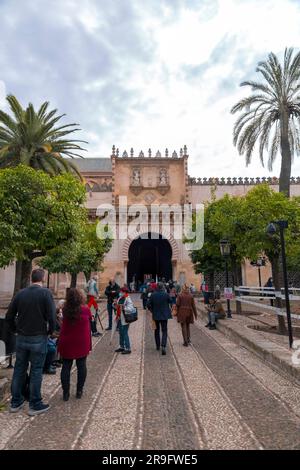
39 325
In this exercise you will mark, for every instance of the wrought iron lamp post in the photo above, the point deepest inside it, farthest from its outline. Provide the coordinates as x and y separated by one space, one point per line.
261 261
225 252
271 231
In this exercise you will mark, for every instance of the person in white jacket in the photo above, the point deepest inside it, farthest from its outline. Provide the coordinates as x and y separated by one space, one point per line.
124 303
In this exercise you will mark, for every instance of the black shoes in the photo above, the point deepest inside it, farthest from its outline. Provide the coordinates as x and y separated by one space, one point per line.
126 351
66 396
107 329
39 409
96 334
208 325
163 351
212 327
185 344
79 393
157 348
119 350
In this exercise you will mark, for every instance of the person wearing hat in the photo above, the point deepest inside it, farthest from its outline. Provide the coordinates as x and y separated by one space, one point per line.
124 303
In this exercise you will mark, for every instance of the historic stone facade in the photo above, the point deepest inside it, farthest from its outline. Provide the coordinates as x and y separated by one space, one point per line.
150 178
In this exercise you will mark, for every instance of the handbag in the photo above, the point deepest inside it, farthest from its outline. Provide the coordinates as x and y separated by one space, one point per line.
174 310
131 317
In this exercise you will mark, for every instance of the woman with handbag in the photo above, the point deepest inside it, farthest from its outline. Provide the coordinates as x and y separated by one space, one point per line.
186 312
124 306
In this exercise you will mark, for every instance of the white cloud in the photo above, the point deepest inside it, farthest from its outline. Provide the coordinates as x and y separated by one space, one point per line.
158 73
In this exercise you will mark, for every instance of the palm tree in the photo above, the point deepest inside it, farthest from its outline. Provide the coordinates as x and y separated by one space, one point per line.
270 116
32 138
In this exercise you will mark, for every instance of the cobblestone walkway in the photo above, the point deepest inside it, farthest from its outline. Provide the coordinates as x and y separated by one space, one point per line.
211 395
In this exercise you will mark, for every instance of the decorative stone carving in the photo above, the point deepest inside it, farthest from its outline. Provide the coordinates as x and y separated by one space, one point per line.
163 177
149 198
136 177
136 185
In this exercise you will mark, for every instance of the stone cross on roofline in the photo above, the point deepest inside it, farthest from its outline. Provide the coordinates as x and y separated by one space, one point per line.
182 153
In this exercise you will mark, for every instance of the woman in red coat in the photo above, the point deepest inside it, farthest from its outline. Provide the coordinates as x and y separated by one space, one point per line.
74 341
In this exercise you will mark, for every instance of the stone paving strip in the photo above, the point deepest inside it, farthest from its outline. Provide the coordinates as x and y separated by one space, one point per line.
222 425
58 428
168 421
279 385
274 426
113 422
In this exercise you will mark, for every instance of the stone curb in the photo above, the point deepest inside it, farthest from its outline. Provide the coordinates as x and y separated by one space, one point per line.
4 388
276 356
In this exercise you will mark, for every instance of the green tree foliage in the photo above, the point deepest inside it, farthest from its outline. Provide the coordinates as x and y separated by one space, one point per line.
208 260
37 213
270 116
243 221
85 254
33 138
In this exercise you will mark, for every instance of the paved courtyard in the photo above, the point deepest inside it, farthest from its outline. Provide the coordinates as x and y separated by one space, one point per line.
212 395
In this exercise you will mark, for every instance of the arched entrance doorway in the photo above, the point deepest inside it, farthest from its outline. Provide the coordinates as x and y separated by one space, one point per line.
149 258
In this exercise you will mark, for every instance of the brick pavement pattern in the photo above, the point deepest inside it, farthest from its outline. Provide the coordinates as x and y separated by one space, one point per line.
211 395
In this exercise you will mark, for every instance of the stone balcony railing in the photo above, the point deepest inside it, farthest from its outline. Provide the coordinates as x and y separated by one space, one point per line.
237 181
149 154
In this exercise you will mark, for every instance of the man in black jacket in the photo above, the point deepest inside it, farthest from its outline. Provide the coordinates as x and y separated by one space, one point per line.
31 315
112 293
159 305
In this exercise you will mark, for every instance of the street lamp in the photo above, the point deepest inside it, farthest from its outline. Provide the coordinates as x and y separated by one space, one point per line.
271 231
261 261
225 252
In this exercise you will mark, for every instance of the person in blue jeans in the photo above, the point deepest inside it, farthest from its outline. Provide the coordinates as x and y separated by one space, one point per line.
124 303
31 315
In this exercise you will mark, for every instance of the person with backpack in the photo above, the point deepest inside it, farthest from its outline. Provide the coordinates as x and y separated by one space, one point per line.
112 293
92 295
123 306
31 315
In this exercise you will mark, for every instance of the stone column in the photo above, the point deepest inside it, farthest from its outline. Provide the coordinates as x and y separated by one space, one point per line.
125 271
174 270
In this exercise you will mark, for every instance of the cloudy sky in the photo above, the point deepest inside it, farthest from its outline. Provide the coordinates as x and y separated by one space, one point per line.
145 73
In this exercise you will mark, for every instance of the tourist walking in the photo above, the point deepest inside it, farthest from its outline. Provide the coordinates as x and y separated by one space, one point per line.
186 312
112 293
144 297
92 296
215 311
124 304
74 341
34 308
159 305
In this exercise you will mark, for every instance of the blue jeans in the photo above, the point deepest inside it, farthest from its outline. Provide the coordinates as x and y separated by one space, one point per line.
213 317
124 338
33 350
110 314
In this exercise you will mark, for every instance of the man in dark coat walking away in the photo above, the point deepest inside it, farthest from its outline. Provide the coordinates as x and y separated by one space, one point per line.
31 315
159 305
